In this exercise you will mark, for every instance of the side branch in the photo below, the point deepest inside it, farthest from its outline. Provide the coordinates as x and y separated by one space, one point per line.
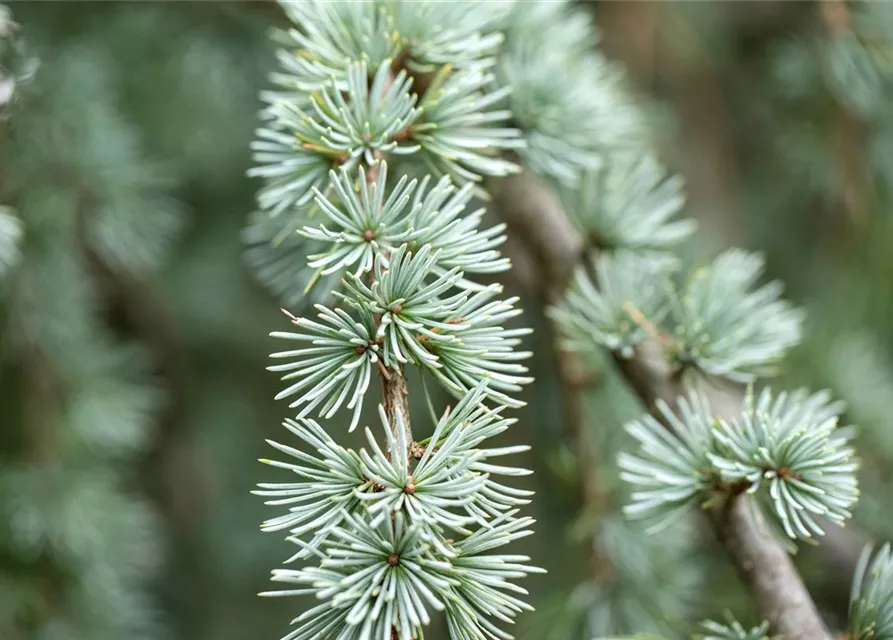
761 562
529 208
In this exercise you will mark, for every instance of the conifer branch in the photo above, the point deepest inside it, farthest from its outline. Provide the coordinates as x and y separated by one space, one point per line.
764 565
400 529
760 560
403 299
847 128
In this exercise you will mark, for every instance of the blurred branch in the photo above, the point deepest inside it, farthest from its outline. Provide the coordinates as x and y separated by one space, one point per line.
547 248
769 16
847 130
766 568
134 308
846 141
531 211
835 15
660 48
534 216
631 27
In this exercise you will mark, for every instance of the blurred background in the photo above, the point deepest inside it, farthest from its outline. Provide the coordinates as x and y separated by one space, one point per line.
133 396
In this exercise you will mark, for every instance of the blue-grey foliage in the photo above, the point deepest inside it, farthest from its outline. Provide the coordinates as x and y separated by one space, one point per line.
871 607
726 325
399 530
631 203
785 448
623 305
733 630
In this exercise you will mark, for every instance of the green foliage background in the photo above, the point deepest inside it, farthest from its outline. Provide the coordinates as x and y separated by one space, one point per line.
133 401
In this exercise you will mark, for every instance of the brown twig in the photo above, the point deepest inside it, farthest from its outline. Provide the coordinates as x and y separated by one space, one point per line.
767 571
535 218
548 259
395 400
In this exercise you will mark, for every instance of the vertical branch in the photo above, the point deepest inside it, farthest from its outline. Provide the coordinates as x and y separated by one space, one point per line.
528 208
643 35
395 394
41 385
574 383
629 32
395 398
835 15
534 216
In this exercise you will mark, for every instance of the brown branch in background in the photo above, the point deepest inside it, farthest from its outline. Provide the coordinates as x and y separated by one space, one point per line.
649 375
42 389
846 142
835 15
534 216
633 28
530 210
847 129
546 265
574 382
691 82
